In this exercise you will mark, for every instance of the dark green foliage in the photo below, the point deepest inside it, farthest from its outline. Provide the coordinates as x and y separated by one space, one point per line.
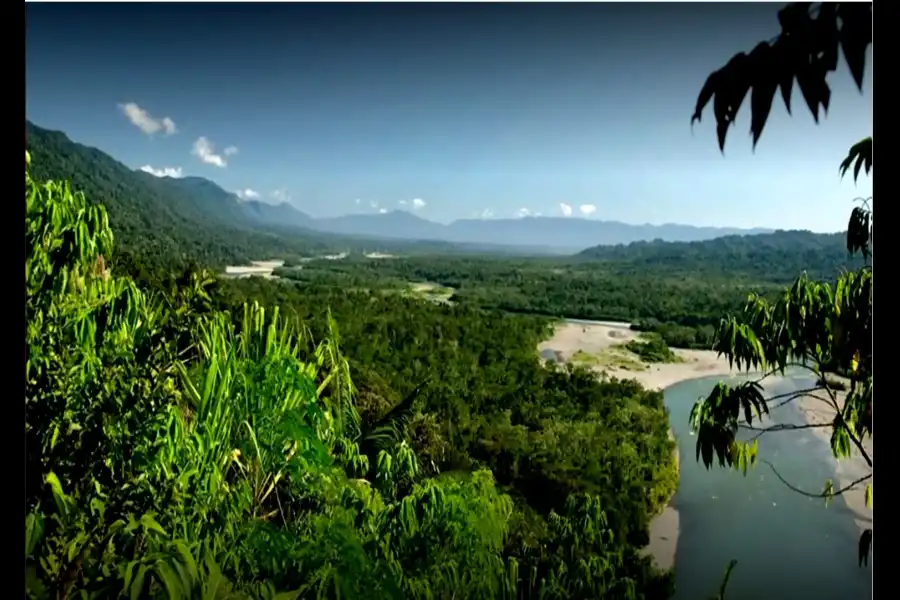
652 349
776 258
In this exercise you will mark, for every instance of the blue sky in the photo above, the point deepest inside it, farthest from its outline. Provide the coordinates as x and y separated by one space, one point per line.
469 109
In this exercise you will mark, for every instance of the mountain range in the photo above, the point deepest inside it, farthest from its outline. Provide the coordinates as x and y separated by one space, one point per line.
554 234
141 204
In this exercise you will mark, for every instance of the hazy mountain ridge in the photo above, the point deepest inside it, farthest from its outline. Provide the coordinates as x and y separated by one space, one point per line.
206 204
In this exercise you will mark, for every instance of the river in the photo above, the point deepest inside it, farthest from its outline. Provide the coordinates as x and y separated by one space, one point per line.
787 546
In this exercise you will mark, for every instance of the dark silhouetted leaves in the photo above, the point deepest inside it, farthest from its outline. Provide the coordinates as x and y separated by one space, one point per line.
855 37
865 543
858 231
806 50
861 153
815 91
715 420
763 92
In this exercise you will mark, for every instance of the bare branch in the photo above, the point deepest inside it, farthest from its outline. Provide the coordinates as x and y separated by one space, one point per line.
791 396
780 427
837 492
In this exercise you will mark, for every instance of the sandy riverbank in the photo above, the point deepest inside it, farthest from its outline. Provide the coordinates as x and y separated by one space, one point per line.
596 344
600 342
816 410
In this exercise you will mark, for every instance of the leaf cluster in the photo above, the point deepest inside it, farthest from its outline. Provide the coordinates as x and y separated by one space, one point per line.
806 51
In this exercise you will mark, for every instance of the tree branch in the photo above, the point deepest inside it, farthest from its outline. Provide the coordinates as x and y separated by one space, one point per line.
837 492
791 396
780 427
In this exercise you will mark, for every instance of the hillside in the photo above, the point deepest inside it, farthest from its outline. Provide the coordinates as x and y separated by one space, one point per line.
168 219
774 257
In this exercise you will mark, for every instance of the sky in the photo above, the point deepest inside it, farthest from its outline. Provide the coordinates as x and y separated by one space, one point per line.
447 110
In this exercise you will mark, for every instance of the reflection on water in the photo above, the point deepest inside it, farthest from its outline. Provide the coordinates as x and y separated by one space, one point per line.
787 546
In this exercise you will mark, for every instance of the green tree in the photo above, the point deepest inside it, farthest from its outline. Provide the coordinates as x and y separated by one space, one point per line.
819 327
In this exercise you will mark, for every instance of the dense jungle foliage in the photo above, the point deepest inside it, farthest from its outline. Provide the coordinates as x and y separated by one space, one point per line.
183 440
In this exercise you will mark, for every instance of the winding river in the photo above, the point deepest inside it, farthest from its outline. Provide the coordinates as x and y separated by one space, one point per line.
788 546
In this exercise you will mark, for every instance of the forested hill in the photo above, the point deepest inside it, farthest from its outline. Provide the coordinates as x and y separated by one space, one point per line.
192 218
157 217
773 257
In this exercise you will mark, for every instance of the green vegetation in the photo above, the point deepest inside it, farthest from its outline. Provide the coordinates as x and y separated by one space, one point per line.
615 357
819 327
652 348
177 449
630 284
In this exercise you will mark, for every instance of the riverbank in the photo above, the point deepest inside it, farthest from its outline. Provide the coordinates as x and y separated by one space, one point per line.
664 528
815 410
599 346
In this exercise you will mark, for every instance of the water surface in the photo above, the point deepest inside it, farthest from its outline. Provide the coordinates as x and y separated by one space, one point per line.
788 546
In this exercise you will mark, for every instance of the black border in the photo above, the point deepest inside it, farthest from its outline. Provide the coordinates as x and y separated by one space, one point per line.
17 455
881 582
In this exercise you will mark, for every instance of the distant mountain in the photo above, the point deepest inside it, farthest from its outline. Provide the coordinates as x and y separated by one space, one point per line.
576 233
395 224
563 235
283 214
181 212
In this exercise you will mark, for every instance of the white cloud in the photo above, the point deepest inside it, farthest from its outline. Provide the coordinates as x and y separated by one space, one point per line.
418 203
144 121
358 201
281 195
382 210
487 213
523 212
566 209
247 194
402 203
163 171
587 209
373 203
206 152
230 151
